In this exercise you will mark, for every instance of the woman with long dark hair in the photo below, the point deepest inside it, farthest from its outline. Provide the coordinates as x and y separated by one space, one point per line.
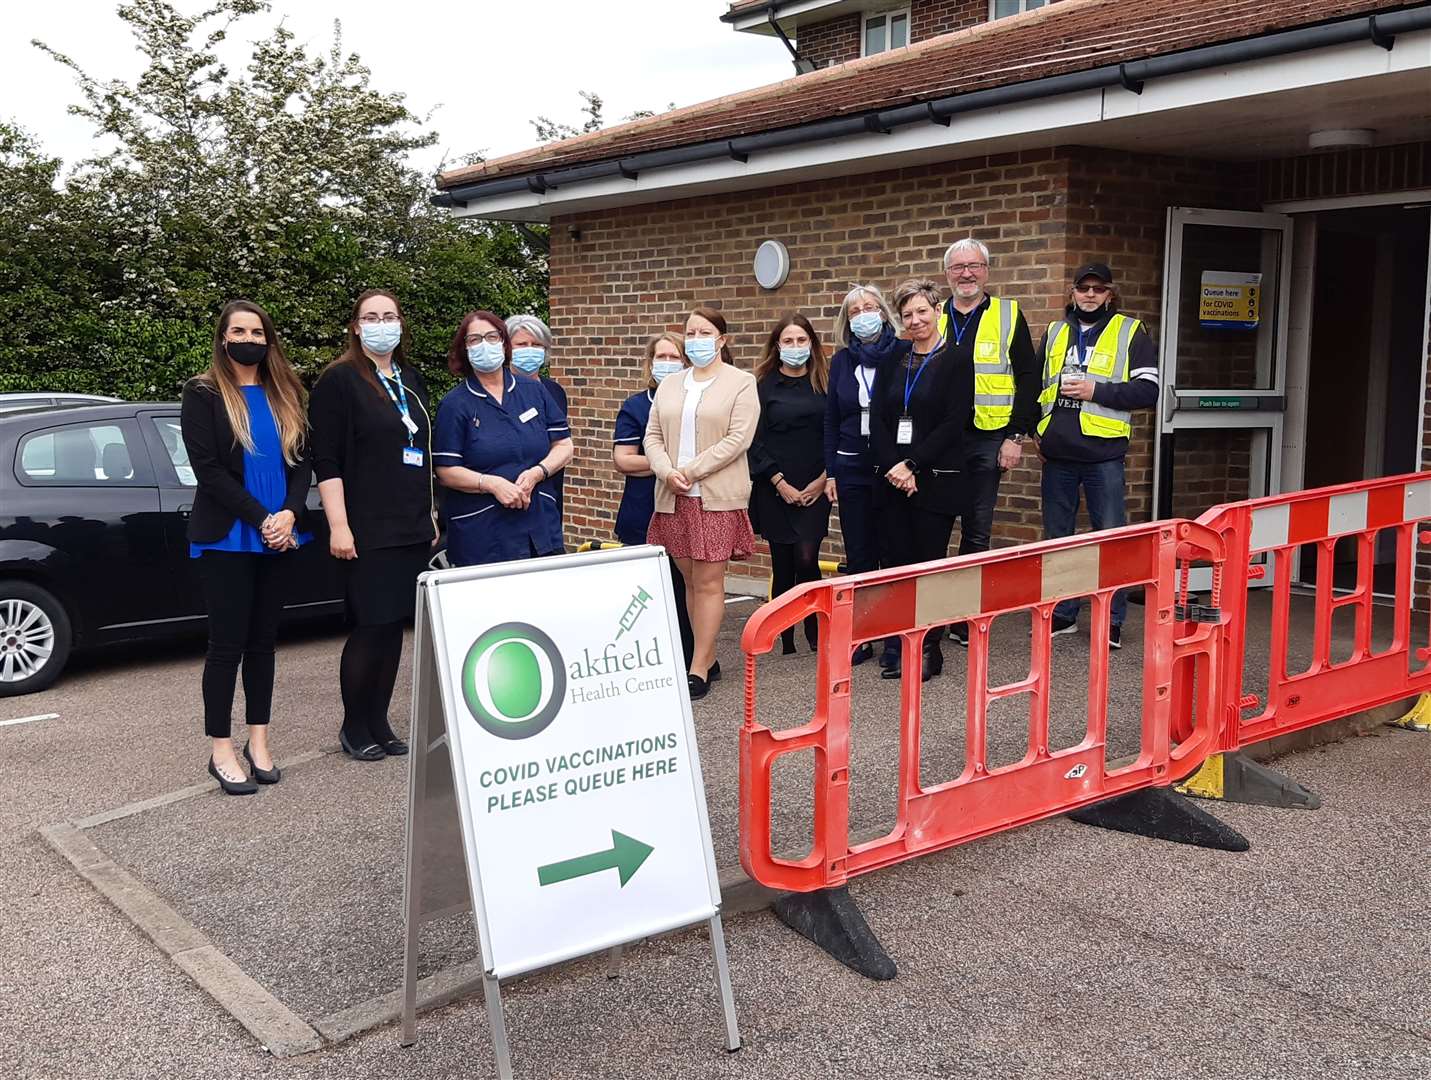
372 451
788 505
246 434
702 422
500 440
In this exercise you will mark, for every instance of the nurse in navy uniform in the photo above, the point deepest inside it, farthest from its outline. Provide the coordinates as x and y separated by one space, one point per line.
499 440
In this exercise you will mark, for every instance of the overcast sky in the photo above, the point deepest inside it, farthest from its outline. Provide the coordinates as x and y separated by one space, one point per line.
482 69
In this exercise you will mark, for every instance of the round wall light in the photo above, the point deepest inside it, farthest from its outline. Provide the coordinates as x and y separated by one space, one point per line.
772 264
1340 138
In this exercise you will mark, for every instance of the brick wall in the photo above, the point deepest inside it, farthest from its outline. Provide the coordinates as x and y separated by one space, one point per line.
831 42
931 18
635 271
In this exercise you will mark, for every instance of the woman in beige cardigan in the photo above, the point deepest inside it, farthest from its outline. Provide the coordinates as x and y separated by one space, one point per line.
702 423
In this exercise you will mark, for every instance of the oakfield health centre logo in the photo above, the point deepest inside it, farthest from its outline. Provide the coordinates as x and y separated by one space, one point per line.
514 680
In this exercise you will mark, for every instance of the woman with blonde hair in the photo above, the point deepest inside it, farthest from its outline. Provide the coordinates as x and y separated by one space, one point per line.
702 423
664 358
788 505
246 434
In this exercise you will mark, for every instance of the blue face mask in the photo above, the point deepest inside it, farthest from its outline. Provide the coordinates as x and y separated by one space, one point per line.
380 338
867 325
486 356
661 368
528 359
701 350
795 358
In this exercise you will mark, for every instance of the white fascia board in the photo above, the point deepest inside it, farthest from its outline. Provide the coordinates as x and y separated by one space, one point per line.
1296 71
758 19
1041 122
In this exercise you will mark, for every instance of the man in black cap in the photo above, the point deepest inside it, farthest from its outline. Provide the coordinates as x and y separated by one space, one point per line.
1098 367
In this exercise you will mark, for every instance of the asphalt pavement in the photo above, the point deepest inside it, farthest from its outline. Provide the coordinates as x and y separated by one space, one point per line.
1054 950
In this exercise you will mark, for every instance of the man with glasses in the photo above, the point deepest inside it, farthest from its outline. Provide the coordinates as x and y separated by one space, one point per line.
990 334
1099 366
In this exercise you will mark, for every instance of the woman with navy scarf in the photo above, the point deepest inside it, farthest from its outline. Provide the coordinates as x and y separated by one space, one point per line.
865 330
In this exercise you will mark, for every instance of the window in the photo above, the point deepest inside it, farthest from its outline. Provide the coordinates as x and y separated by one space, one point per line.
886 30
80 456
173 440
998 9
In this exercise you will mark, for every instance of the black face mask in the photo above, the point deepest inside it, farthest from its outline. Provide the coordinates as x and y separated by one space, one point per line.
247 353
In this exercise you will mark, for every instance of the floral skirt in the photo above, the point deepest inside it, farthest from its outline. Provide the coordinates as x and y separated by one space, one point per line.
704 535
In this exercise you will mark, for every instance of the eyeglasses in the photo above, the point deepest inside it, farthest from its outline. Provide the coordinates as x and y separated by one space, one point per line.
493 338
372 319
1096 290
973 267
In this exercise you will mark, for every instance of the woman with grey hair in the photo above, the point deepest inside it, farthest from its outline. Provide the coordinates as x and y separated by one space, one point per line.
865 330
531 342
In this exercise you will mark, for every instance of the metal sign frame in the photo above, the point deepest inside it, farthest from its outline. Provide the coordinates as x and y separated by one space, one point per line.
434 742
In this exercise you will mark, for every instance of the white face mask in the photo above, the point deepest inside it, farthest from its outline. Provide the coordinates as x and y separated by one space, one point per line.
661 368
795 358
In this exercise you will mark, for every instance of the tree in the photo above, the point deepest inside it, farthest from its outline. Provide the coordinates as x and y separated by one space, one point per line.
286 183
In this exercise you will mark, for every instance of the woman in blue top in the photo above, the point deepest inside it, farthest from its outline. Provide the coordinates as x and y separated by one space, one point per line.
665 355
865 331
498 440
531 352
245 429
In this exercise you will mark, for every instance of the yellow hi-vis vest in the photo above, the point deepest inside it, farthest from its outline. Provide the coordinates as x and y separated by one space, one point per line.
1107 363
993 372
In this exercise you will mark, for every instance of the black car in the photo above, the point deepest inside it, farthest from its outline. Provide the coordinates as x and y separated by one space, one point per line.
94 502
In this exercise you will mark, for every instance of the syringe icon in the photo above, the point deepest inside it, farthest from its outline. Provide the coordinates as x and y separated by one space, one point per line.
633 611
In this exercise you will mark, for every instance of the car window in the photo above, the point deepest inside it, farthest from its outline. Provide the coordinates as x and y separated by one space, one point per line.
172 437
82 455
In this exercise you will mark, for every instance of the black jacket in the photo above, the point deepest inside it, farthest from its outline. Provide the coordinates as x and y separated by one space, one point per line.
941 402
216 456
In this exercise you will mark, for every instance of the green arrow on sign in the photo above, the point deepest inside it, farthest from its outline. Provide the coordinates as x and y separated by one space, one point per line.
625 855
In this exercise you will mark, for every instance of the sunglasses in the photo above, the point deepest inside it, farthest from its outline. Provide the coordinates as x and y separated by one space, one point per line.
1096 290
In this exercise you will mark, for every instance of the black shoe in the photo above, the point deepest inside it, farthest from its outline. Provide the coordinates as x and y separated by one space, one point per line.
889 659
959 634
367 752
713 672
698 687
933 665
861 654
393 747
895 671
263 776
231 787
1063 626
1115 637
787 646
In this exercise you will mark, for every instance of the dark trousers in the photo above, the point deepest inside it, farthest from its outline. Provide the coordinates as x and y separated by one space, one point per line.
243 593
1102 486
857 526
910 534
683 616
981 475
791 565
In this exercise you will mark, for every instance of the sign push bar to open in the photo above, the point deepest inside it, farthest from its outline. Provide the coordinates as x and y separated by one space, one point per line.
556 689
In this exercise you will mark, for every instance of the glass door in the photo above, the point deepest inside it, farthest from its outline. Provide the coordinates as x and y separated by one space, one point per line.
1224 359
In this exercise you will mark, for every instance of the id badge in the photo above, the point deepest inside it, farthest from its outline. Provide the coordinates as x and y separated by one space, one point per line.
412 455
528 415
864 422
904 431
407 422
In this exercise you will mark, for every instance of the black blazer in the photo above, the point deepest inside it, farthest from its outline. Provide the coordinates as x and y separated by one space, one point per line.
941 403
216 457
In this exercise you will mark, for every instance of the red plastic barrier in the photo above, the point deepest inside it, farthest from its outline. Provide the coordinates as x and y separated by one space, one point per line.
905 602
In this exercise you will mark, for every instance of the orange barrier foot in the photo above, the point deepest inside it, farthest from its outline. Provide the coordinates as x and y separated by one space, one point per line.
831 919
1162 814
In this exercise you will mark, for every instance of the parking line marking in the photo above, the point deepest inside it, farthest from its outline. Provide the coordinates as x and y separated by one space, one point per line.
740 599
30 719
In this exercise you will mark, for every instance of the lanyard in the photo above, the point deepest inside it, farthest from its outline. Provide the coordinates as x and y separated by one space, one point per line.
908 387
867 387
959 331
399 399
1081 346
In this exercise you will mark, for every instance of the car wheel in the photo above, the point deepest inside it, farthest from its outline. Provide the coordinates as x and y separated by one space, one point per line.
35 638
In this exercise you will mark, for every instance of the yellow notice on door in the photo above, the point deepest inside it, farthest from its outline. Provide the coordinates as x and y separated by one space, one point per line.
1230 300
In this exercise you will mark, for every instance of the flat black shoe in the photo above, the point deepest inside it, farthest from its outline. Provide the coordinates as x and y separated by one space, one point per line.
787 648
263 776
366 752
894 671
889 659
713 672
393 747
699 687
231 787
861 654
933 665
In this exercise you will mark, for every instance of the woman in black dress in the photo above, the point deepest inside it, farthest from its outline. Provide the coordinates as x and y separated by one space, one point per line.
788 504
372 452
922 406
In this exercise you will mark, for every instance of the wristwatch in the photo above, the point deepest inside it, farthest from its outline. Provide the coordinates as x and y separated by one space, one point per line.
911 464
1020 438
